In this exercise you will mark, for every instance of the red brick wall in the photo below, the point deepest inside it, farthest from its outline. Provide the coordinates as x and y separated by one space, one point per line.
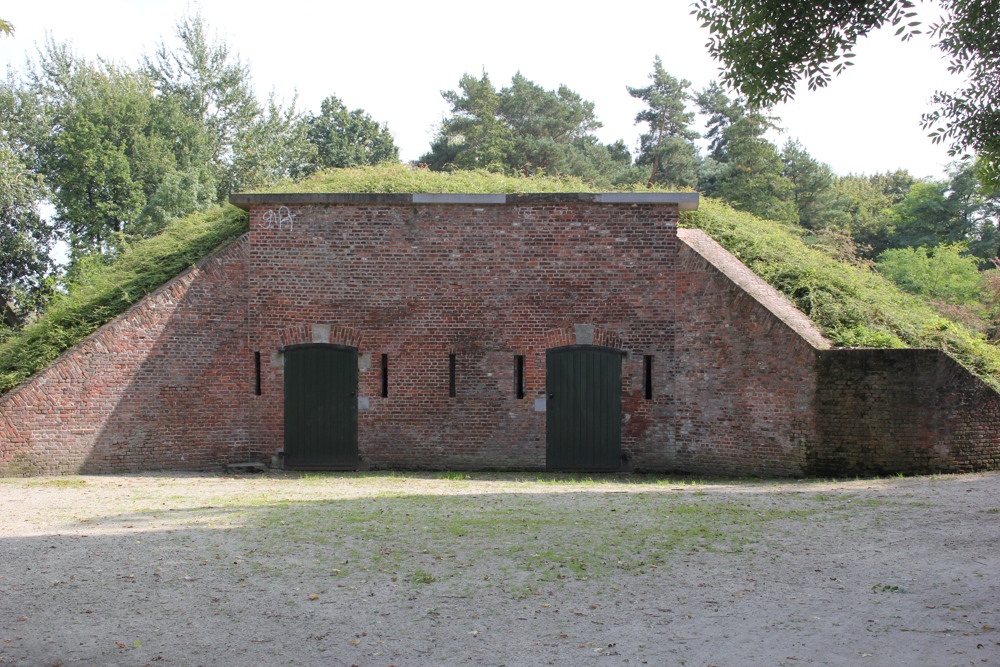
483 282
743 378
162 386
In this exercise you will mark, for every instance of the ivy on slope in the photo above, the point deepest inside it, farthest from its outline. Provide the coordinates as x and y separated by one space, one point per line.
854 306
104 291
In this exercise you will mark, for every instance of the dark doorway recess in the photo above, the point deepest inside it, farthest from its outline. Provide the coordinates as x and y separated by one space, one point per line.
583 425
321 407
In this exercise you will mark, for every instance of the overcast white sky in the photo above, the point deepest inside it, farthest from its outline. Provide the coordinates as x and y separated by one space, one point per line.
393 59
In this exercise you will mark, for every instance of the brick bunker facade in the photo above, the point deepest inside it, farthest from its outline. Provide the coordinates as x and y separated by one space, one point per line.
460 297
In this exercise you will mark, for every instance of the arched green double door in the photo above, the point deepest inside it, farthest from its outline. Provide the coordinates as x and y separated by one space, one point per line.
583 429
321 407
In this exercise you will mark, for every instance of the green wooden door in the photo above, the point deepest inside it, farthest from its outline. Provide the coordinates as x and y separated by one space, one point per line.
321 407
583 424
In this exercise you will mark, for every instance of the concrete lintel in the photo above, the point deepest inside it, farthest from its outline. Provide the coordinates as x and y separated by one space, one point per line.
584 334
321 333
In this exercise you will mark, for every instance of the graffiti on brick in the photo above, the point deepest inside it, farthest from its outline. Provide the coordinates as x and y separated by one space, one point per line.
277 219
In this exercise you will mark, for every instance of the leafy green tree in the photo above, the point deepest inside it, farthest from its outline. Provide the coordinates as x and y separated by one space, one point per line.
957 210
767 46
551 130
812 188
668 145
25 239
869 204
869 212
348 138
943 272
523 129
250 144
6 28
173 163
106 145
97 112
721 112
926 217
976 206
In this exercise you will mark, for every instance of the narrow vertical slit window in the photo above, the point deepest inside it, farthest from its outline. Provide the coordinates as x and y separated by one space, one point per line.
385 375
648 376
451 375
256 372
519 376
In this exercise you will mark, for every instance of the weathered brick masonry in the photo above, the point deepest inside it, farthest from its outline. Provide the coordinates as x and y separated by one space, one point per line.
485 282
162 386
910 411
741 382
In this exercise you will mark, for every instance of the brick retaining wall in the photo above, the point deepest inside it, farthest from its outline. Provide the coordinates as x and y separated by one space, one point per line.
162 386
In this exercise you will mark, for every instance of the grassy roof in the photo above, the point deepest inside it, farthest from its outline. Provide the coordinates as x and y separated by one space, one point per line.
853 306
391 178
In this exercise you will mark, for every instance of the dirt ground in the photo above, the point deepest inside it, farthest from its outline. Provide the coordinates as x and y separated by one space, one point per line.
454 569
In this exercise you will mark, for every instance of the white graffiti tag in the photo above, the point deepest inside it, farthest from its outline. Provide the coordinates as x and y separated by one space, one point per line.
277 219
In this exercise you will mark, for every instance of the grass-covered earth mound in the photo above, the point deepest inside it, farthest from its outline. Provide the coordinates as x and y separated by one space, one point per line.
101 292
854 306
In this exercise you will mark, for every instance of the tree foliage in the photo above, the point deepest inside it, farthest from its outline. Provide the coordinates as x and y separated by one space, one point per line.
768 46
97 112
944 272
345 138
25 239
815 200
668 144
744 167
969 118
523 129
249 143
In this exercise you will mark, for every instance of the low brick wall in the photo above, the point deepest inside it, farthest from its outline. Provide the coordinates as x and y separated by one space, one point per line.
164 386
909 411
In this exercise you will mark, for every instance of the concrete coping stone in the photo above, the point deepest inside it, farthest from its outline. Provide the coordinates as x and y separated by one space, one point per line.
685 201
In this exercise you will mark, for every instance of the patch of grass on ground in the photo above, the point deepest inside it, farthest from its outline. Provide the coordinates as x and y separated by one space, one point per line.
530 538
854 306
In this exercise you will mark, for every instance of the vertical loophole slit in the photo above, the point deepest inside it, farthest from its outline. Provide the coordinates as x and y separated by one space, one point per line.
451 375
256 372
519 376
385 375
648 376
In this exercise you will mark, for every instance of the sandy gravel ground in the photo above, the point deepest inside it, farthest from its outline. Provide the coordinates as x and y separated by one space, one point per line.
387 569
